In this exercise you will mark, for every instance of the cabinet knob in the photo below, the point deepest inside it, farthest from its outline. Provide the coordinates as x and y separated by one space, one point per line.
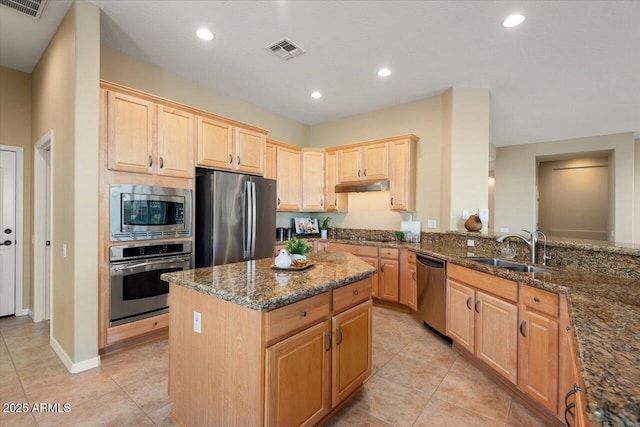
339 332
358 172
536 299
356 292
413 276
392 201
468 302
155 324
303 314
161 163
238 160
476 307
321 202
365 172
150 160
278 201
328 338
230 159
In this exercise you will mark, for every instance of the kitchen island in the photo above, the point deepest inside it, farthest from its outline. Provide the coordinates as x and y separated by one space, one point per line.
249 345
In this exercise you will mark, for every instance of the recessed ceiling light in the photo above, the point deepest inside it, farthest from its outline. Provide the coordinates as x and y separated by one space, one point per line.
316 95
204 34
384 72
513 20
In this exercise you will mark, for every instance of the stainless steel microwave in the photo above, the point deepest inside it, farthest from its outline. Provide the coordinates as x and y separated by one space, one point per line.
143 212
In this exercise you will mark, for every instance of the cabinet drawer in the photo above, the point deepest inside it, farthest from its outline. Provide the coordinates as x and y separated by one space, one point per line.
358 250
411 257
495 285
539 300
282 321
389 253
137 329
350 295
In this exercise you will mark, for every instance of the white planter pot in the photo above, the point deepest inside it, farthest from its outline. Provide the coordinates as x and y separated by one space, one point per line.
323 234
298 257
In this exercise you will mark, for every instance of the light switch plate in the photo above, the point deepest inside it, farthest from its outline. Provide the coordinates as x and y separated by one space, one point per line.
431 223
465 214
471 242
504 229
197 322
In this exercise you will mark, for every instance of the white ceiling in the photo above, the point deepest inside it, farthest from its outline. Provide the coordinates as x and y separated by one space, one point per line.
572 69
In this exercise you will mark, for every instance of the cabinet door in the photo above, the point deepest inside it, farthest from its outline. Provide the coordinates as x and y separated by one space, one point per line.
215 143
176 130
412 288
298 378
351 358
375 279
538 358
313 180
334 201
130 133
460 318
376 161
399 176
497 334
349 166
389 280
249 148
288 179
270 162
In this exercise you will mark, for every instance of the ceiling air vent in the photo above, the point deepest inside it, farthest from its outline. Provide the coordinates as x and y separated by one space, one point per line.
33 8
284 49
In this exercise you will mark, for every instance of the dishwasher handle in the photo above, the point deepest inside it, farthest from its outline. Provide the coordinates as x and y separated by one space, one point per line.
430 262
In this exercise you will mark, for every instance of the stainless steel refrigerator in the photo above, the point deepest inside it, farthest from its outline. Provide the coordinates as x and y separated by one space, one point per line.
235 217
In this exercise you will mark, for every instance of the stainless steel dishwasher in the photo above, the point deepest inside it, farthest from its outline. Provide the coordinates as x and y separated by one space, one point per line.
431 293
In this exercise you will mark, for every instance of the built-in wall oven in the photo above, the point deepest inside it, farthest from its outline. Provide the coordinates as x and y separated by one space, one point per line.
143 212
136 291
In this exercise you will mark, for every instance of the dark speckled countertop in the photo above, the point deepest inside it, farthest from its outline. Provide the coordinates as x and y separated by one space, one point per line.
256 285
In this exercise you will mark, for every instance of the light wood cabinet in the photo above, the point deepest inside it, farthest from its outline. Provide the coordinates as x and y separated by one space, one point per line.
482 317
389 287
298 370
351 351
335 202
288 173
222 145
368 162
402 173
368 254
270 161
149 138
408 280
313 170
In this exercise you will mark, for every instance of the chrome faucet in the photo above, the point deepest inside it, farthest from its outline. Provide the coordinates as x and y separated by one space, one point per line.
532 242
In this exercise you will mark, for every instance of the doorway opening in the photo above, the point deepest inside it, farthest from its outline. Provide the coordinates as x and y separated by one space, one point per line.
42 220
575 195
11 230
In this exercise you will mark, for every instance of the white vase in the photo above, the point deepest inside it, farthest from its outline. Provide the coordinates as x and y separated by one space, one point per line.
323 234
298 257
283 260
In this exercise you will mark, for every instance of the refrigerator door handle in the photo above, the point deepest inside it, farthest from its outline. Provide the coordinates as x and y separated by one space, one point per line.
250 218
245 228
255 219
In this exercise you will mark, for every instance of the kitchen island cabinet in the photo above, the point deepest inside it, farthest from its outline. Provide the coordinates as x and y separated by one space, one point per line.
247 341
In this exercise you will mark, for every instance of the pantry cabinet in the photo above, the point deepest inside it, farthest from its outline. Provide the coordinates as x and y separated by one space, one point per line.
482 317
368 162
402 173
148 138
313 170
223 145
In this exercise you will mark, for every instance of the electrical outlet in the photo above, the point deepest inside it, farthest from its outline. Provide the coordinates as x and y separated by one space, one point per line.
465 214
64 250
504 229
471 242
197 322
431 223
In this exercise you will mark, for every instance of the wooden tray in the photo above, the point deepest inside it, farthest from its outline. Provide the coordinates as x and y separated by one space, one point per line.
292 268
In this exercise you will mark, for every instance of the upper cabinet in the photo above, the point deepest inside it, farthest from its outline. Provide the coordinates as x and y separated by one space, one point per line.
313 170
402 173
288 176
149 138
364 163
270 160
334 202
223 145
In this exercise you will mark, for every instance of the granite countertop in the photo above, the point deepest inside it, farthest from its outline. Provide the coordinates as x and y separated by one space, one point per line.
254 284
605 313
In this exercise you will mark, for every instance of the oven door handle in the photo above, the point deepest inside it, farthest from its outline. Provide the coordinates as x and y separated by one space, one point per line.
144 264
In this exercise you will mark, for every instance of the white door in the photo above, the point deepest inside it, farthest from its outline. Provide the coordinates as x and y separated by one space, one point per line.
8 160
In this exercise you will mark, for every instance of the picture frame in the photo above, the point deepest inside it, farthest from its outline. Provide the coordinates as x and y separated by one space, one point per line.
307 225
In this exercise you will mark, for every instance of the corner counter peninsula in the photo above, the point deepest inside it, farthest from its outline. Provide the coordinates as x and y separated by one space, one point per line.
270 347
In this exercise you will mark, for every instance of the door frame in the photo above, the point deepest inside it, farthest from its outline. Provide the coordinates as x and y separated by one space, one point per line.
39 227
19 236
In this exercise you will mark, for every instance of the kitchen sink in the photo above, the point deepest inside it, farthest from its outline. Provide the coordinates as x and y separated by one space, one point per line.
509 265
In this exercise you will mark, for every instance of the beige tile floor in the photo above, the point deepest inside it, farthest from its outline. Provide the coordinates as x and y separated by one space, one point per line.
417 380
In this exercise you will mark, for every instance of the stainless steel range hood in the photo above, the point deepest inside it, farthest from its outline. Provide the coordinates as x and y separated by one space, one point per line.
360 187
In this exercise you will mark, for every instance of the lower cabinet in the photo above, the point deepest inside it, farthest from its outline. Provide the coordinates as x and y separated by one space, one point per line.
482 317
408 280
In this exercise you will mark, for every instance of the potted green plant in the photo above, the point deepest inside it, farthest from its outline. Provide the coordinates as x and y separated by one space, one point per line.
298 249
324 227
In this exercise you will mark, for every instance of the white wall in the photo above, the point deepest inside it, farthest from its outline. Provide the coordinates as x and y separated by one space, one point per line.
515 186
636 192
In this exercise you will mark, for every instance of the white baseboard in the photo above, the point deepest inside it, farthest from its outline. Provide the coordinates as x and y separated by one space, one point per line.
24 312
74 368
30 314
